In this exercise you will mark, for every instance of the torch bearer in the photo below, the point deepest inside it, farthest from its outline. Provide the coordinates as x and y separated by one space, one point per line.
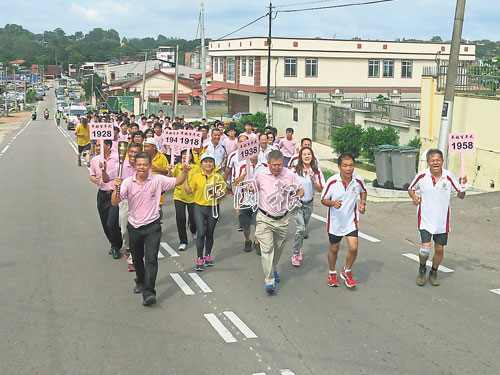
122 153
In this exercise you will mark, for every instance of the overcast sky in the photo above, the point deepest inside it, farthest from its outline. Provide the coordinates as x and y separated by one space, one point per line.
419 19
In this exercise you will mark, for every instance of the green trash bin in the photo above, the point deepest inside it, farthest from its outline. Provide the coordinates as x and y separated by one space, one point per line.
383 166
403 159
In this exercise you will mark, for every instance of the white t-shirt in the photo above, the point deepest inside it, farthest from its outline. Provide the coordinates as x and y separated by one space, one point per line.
232 159
295 158
308 185
219 152
433 213
344 220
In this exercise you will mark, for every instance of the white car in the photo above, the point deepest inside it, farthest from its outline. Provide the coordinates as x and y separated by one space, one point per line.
73 111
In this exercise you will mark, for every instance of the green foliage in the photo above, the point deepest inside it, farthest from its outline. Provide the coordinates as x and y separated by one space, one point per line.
382 98
372 137
348 139
257 119
96 84
30 96
415 143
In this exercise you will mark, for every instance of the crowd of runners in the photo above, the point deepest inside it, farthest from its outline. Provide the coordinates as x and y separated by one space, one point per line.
277 185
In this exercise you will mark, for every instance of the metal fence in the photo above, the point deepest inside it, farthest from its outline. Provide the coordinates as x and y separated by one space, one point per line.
292 95
388 111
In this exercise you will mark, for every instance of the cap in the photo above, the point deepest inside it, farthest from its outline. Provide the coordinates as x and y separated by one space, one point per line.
151 141
149 120
207 155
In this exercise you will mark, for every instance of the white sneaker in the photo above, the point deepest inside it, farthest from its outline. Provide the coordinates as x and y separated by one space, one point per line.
195 235
182 247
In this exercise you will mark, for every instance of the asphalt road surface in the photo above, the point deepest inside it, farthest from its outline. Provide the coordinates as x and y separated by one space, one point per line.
67 307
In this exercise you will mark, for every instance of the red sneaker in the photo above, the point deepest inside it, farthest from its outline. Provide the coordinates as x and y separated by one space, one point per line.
131 268
332 280
347 277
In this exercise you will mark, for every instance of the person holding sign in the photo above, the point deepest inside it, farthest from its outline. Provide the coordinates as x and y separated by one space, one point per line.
107 212
82 133
436 186
143 191
208 187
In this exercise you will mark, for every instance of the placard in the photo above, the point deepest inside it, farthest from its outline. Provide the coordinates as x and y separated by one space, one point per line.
462 142
248 149
188 139
101 131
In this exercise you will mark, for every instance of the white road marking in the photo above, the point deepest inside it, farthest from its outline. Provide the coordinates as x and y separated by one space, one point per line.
497 291
360 234
160 255
249 334
219 327
171 251
259 373
68 139
182 284
5 149
286 372
199 281
416 258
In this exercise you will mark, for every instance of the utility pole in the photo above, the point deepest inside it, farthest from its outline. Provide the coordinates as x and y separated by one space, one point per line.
143 95
203 65
176 83
268 89
5 97
15 90
451 78
92 92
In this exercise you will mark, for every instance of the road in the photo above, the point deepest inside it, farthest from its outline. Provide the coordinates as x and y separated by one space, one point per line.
68 308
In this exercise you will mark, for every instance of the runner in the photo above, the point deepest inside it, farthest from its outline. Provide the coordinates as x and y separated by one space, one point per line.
436 186
82 133
107 213
159 165
265 149
143 192
340 196
128 171
248 130
217 149
275 186
206 184
183 200
312 179
304 142
288 146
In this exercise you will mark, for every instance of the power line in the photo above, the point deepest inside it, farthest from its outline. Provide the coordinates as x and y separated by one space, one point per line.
306 3
241 28
336 6
198 27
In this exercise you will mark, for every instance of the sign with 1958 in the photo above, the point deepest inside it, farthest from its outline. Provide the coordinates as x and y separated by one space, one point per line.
462 142
248 149
101 130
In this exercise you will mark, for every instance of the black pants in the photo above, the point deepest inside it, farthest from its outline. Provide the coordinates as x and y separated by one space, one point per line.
145 243
205 225
180 217
109 219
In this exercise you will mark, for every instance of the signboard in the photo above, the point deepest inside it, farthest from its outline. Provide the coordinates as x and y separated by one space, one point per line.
101 131
248 149
189 139
462 142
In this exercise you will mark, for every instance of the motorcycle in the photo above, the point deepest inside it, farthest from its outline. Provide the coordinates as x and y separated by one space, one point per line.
58 121
46 116
33 116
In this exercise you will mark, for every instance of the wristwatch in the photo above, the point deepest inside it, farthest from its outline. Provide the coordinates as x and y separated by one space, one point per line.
363 201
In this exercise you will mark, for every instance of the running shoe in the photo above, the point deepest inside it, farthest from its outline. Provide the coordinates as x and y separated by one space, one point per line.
421 277
239 229
348 279
270 289
295 260
126 254
276 277
300 254
433 278
256 245
199 265
208 260
332 280
248 246
131 268
182 247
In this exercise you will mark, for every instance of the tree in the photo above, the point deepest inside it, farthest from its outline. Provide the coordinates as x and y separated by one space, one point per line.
436 39
372 137
348 140
93 82
257 119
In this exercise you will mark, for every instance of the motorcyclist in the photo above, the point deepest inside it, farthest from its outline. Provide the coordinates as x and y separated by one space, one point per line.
33 113
46 113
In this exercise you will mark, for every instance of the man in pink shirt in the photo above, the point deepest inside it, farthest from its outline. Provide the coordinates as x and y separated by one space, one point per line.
123 135
143 191
248 130
288 146
107 212
230 141
279 192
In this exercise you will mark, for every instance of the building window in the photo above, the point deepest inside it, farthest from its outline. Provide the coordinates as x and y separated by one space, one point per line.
388 68
311 67
216 65
230 67
295 114
153 94
406 69
250 66
221 65
243 66
373 68
290 67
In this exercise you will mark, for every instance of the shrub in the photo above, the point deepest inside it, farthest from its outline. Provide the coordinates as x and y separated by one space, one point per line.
257 119
348 140
415 142
372 137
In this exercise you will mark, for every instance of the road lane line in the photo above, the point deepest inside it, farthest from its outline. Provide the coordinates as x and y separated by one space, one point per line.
286 371
69 141
182 284
171 251
5 149
199 281
160 254
497 291
219 327
259 373
416 258
360 234
249 334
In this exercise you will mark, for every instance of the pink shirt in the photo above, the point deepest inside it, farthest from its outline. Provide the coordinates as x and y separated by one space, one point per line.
274 191
288 147
251 135
111 162
127 170
144 201
123 137
159 140
230 145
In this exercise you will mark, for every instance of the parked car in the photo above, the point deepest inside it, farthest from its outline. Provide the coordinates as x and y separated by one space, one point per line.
62 105
238 116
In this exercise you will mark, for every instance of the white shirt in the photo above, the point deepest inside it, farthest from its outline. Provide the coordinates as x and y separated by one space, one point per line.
295 158
219 152
240 166
263 154
308 184
232 159
344 220
433 213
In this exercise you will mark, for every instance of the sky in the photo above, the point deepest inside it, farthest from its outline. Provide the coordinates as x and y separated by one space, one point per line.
409 19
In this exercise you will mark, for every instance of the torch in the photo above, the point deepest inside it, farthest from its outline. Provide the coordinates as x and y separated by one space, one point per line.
122 153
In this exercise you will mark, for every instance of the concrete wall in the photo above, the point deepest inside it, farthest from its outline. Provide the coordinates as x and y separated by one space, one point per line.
477 114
